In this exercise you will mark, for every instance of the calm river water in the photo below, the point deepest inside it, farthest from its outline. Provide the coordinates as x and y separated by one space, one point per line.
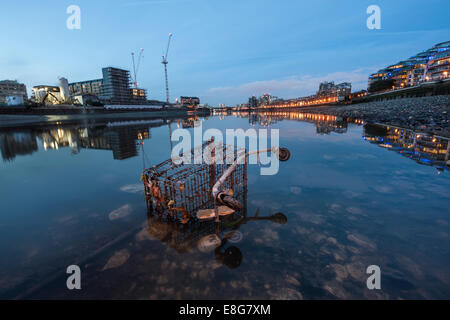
350 196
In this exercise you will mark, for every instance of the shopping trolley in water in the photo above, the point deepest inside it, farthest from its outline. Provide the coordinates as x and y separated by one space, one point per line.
202 190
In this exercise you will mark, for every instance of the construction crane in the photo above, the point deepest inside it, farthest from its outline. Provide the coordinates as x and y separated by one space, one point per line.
165 62
136 66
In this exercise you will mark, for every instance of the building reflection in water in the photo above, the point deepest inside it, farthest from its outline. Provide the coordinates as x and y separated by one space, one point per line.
422 148
13 144
191 122
325 124
120 137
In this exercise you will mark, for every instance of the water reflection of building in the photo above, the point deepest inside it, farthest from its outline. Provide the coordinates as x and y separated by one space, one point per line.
119 137
422 148
17 143
325 124
123 140
191 122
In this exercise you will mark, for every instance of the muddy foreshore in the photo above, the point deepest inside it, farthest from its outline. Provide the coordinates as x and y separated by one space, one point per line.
423 114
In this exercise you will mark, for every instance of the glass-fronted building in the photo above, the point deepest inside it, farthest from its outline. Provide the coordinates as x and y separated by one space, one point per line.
116 86
438 67
90 86
431 64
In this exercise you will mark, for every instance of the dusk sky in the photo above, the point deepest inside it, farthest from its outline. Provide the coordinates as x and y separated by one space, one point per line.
221 51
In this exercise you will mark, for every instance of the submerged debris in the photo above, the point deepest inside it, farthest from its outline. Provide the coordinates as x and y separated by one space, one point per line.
118 259
209 243
286 294
362 241
133 188
120 212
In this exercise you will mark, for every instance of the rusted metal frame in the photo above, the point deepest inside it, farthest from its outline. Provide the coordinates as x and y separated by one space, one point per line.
229 171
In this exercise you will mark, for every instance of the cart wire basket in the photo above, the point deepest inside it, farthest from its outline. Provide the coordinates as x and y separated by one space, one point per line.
177 191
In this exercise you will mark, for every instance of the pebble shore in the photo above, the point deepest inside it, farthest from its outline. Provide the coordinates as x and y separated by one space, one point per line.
422 114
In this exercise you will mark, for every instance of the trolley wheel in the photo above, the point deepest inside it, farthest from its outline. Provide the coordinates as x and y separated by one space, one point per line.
230 202
279 218
284 154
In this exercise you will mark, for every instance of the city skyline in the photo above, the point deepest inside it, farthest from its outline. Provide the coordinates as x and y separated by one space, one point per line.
278 48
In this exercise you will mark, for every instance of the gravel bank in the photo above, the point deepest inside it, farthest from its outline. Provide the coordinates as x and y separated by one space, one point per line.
424 114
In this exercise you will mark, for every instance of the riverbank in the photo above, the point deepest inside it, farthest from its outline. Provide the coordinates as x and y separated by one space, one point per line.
32 118
423 114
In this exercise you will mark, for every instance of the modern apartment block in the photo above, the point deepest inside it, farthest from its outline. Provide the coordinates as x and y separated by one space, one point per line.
432 64
267 98
252 102
12 88
113 88
439 65
116 86
338 91
87 87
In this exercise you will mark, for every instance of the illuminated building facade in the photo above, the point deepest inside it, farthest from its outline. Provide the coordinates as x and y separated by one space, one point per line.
190 101
432 64
47 94
328 93
439 65
329 89
138 96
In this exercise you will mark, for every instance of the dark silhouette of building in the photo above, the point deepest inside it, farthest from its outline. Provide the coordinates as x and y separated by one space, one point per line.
19 143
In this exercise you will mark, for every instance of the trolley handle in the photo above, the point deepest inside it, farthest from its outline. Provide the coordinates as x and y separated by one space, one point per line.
221 197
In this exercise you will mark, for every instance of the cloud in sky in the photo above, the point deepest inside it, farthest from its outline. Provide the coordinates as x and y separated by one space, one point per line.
289 87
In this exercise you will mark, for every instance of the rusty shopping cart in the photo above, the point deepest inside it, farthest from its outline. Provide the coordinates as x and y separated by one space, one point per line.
202 190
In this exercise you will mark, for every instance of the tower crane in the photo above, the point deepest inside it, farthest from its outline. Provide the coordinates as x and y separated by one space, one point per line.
136 66
165 62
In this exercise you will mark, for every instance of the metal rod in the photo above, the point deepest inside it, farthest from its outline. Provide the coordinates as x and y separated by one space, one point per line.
229 171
